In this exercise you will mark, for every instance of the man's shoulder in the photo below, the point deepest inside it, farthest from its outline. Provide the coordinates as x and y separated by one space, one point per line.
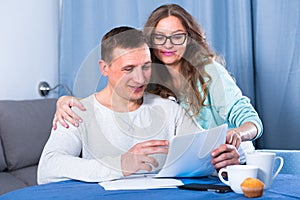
88 99
88 103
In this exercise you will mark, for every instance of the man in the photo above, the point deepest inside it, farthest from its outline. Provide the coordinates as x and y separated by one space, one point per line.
124 130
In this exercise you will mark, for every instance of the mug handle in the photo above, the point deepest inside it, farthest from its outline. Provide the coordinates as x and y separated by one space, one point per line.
221 177
279 167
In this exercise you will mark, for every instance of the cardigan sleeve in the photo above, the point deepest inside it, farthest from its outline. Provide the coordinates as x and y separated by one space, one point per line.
227 100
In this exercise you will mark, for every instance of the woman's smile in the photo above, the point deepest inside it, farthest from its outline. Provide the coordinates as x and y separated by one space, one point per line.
168 53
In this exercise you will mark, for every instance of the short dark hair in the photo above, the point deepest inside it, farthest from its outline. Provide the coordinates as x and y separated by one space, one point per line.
122 37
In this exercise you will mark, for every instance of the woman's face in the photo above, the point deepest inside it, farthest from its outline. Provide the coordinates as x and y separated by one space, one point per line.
170 52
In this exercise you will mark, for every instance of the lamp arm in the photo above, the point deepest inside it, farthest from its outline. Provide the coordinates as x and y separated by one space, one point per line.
44 88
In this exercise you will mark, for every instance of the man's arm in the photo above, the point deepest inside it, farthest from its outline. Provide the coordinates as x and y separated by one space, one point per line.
60 160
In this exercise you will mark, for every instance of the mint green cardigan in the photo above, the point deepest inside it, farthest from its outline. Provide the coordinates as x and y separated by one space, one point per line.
226 104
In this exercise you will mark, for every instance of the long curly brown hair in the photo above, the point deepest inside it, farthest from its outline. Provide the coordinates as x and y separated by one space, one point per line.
196 56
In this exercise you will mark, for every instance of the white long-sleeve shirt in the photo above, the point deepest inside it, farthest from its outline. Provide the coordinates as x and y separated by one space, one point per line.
105 135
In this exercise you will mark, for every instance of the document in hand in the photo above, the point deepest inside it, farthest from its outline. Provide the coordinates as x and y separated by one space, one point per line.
190 155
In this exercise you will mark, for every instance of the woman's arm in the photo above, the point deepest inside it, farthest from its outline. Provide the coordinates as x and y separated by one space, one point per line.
245 132
233 107
65 114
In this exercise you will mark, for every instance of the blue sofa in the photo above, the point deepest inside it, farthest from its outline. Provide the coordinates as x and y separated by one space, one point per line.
25 126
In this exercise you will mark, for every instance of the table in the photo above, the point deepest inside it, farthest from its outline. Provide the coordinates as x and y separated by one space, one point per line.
285 186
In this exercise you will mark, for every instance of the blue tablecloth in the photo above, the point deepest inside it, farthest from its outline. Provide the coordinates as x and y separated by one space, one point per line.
284 187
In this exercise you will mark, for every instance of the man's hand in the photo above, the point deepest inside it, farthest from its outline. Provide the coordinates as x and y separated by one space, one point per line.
65 114
138 157
225 155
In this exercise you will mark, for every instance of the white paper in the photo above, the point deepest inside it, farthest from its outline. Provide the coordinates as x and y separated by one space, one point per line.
190 155
140 182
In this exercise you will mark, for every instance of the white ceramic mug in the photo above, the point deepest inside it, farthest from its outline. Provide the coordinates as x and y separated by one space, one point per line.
236 175
265 162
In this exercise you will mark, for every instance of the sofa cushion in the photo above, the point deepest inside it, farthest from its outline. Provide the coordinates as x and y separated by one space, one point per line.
28 175
3 164
9 182
24 128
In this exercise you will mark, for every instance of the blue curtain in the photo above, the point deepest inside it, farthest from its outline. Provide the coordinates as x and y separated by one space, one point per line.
85 21
258 39
276 34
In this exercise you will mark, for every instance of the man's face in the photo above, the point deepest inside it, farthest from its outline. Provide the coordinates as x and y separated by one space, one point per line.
129 72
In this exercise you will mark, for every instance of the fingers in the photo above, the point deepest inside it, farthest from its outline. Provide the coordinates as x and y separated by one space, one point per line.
54 126
153 143
137 158
155 150
59 118
147 163
151 147
144 166
76 102
233 137
131 163
148 160
225 155
64 112
236 141
67 114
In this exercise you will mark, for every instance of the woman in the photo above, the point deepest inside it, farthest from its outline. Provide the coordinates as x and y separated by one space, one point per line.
186 69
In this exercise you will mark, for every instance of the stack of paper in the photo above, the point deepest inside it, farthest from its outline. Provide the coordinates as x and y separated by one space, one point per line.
140 182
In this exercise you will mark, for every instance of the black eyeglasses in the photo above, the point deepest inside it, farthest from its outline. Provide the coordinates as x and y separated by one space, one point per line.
176 39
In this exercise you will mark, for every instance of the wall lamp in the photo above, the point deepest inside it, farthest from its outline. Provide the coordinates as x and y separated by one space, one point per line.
44 88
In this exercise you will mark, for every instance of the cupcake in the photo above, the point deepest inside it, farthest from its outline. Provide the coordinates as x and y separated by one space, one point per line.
252 187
